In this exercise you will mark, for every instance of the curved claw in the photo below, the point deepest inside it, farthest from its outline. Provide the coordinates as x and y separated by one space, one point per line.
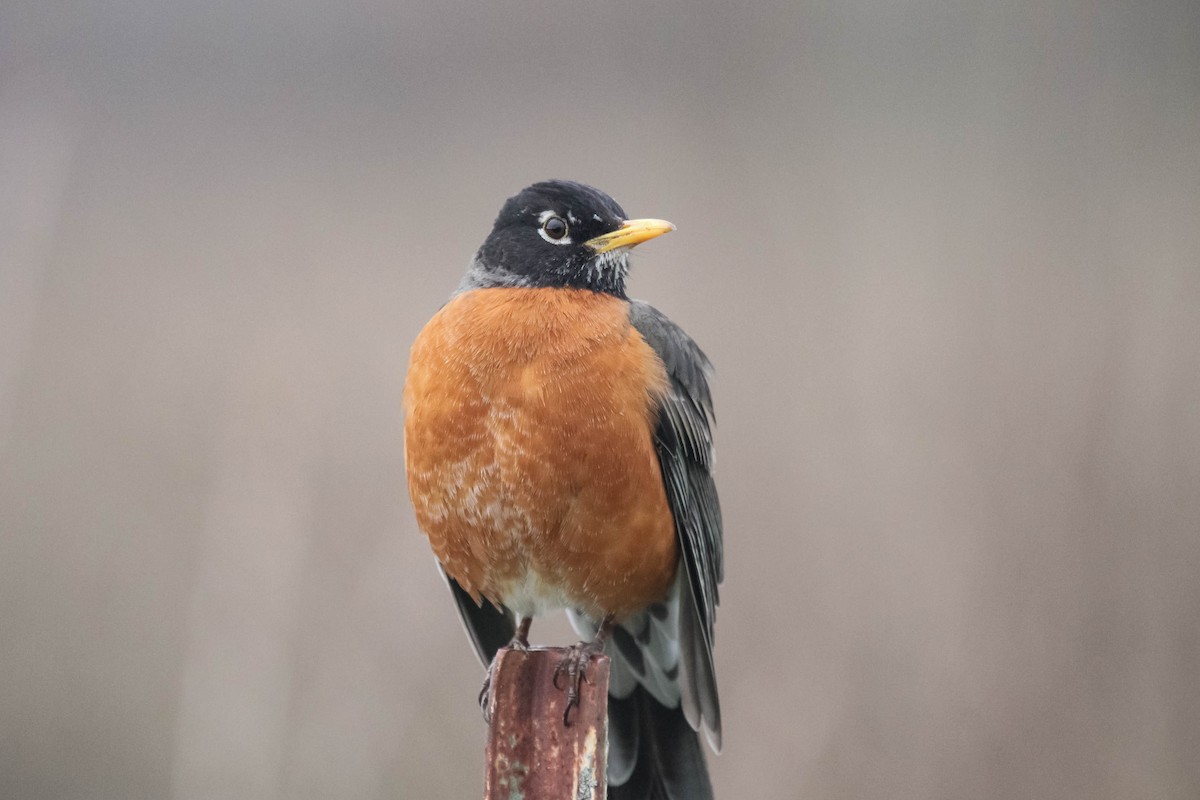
485 695
520 641
575 663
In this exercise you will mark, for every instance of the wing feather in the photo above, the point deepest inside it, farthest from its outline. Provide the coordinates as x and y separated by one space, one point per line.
683 440
489 628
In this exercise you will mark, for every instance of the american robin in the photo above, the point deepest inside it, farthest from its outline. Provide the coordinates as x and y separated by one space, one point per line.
558 448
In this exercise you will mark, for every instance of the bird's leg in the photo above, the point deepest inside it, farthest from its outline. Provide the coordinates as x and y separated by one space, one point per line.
575 664
520 641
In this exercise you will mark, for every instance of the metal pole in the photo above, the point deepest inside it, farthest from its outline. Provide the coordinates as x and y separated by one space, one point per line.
531 754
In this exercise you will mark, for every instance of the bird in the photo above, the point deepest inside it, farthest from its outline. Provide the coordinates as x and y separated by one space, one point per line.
558 441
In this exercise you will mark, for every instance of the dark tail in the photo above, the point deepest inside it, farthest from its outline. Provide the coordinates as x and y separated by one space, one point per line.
653 754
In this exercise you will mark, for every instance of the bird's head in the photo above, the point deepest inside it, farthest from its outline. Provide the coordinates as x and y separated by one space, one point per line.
561 234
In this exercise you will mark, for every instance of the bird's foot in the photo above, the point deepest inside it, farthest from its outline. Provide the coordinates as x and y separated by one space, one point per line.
519 642
575 666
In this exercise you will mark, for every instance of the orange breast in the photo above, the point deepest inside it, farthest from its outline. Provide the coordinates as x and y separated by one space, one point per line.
529 451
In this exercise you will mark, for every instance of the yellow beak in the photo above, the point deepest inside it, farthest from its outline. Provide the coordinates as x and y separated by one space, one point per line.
634 231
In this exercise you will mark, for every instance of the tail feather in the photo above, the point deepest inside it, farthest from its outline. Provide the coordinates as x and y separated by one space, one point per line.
668 762
624 738
661 689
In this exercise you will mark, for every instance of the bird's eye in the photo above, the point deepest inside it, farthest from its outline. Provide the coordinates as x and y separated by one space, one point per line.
555 228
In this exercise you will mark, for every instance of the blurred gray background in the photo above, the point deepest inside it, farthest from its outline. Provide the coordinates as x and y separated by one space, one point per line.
946 257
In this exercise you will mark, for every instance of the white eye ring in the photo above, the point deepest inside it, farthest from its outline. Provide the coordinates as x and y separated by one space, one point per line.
543 219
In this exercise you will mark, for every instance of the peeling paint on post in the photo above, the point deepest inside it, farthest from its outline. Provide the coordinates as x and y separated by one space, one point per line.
531 755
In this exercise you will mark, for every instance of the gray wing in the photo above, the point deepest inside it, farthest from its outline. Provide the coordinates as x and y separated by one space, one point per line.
489 628
683 440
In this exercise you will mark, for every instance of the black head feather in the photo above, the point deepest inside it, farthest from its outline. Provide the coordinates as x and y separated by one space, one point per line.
539 239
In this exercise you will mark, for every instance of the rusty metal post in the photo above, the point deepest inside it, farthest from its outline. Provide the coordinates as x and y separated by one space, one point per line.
531 754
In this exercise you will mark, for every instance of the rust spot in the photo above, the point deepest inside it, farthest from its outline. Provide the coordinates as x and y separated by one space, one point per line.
531 754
